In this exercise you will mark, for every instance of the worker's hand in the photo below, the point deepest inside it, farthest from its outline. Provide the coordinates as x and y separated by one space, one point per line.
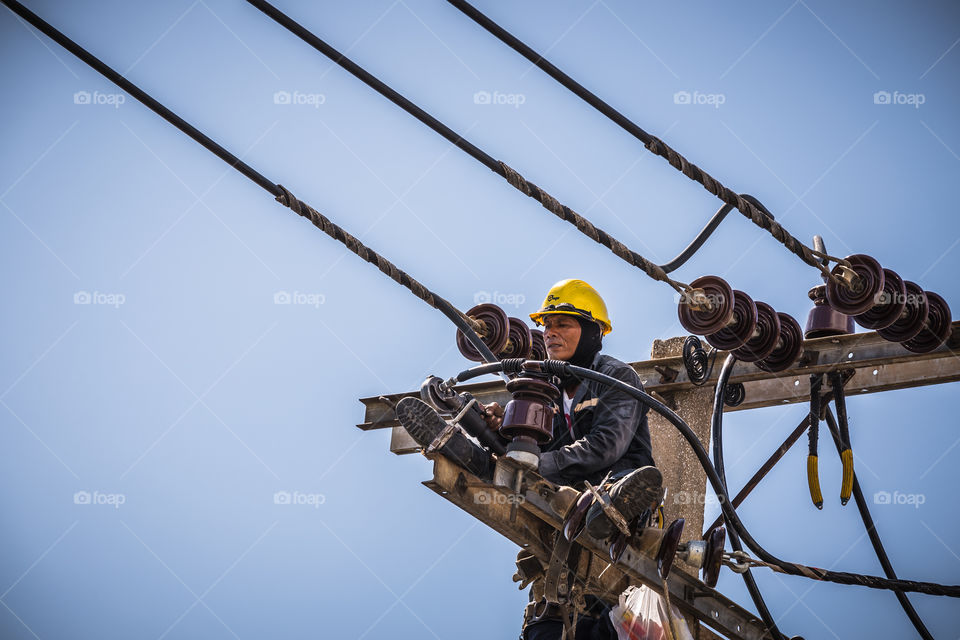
493 416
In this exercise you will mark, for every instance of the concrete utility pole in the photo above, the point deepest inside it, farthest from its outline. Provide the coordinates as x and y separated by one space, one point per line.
870 364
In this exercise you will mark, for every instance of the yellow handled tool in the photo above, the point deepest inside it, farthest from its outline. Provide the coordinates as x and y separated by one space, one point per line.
846 453
813 477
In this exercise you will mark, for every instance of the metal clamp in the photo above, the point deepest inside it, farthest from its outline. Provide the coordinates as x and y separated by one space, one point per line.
611 511
442 437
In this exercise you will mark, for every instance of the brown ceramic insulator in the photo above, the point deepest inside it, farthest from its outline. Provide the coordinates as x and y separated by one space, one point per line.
703 321
855 299
494 334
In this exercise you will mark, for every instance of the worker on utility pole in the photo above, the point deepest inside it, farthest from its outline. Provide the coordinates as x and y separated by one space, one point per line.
600 436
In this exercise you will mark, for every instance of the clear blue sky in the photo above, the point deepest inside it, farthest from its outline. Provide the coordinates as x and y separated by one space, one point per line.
181 398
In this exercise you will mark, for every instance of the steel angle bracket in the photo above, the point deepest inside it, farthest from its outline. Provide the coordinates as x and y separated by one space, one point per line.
534 527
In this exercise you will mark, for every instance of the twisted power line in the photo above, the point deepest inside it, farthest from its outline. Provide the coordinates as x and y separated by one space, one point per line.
653 144
500 168
469 326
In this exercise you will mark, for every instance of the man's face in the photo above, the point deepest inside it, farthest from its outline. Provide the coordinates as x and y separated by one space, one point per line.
561 334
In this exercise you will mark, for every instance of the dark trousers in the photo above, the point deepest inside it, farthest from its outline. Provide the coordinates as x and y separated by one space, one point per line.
587 629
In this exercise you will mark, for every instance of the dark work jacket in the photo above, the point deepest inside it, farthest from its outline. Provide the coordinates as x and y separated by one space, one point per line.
610 430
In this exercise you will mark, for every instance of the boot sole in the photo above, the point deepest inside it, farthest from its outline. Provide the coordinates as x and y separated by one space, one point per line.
646 486
424 425
420 420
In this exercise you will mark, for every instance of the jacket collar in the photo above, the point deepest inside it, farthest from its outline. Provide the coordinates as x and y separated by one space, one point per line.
582 390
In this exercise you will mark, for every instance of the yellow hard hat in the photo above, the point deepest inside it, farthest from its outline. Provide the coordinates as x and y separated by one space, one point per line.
574 298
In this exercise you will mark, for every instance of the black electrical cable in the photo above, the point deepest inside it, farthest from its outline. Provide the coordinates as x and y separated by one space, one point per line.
734 395
751 210
358 248
791 568
716 424
500 168
560 367
813 437
280 193
707 231
875 536
717 437
846 453
697 361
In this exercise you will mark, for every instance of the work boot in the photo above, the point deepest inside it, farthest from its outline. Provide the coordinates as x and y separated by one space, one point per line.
640 489
424 425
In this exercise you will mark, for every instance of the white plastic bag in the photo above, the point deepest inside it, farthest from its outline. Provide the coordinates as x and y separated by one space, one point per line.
642 615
